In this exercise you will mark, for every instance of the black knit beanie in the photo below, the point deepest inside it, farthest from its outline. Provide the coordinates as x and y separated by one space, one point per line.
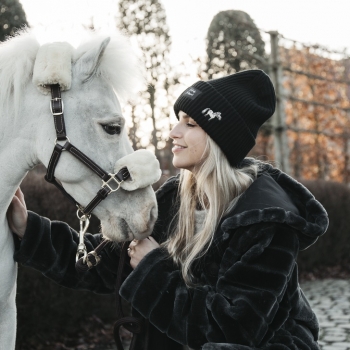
230 109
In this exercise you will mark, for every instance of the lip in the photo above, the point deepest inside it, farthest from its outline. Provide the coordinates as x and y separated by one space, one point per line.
178 148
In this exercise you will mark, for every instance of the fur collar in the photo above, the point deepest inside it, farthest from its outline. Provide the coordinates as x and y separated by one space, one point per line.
273 197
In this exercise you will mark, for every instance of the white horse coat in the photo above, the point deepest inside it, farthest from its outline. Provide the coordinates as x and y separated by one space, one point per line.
90 75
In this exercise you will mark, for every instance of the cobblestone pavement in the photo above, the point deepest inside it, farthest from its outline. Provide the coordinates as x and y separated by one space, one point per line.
330 300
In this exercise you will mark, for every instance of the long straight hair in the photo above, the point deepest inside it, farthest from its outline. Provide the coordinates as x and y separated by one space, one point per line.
215 187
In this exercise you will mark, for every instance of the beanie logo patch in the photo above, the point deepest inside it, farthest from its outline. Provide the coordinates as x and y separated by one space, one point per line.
192 93
209 113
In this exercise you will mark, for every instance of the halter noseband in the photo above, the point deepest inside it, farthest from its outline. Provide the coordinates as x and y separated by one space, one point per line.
110 182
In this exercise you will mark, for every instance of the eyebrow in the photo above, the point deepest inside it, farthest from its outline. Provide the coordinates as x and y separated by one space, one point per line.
186 116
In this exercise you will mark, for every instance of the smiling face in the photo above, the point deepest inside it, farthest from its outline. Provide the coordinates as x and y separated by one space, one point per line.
189 141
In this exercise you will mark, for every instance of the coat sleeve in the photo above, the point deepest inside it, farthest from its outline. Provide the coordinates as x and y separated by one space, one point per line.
255 269
50 247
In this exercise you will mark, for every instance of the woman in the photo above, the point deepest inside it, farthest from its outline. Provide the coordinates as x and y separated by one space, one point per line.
219 271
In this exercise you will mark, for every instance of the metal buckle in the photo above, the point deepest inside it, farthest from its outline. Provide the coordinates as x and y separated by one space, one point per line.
56 99
112 178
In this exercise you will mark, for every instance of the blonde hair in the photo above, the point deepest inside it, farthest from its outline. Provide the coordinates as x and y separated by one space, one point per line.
216 187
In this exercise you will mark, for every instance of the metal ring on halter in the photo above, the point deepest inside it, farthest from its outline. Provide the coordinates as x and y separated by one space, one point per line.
83 217
67 139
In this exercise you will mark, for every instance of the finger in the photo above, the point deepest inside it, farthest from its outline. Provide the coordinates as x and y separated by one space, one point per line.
17 204
132 244
20 195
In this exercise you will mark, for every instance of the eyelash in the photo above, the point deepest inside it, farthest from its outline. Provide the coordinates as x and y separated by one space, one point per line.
190 125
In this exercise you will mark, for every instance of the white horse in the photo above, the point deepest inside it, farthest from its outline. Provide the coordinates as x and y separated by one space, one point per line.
94 124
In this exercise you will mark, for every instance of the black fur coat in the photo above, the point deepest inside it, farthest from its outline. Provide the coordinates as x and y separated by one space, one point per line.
248 296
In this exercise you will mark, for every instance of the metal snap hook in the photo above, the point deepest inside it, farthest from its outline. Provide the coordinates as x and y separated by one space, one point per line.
84 224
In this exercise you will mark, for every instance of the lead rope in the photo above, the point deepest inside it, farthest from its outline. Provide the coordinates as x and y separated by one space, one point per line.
132 324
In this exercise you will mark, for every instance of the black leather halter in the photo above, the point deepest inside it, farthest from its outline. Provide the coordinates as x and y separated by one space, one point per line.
110 182
107 178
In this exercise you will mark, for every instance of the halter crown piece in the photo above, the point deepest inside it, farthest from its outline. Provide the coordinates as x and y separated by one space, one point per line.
47 78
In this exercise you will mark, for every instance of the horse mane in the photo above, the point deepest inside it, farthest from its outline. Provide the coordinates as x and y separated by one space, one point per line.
118 65
17 57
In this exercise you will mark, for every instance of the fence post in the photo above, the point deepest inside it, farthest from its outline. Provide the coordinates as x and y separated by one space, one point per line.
346 178
279 118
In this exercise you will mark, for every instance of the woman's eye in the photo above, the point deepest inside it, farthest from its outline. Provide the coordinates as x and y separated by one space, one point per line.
112 129
190 125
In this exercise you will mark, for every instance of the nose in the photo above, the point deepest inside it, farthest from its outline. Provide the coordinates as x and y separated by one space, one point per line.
175 132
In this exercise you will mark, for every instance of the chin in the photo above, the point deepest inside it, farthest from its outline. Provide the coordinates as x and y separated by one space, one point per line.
116 230
182 165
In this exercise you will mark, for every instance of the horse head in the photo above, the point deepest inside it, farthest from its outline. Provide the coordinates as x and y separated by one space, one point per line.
91 78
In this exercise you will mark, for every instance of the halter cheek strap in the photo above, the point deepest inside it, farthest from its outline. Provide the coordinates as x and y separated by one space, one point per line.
57 108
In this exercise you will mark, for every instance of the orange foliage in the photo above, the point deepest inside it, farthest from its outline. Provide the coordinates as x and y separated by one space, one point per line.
318 135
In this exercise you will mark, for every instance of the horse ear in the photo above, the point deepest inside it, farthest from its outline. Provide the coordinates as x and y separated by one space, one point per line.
91 59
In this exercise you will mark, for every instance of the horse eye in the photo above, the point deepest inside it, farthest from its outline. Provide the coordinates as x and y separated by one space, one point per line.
111 129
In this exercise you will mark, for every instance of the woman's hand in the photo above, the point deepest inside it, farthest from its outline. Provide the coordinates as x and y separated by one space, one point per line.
139 248
17 214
